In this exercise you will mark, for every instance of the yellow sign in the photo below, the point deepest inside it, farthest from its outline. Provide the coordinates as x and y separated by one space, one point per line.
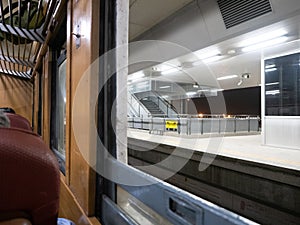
171 124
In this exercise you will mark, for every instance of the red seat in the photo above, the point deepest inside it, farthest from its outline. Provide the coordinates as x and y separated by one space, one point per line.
18 121
29 177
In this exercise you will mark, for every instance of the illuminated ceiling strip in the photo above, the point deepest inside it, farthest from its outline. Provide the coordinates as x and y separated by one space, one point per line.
173 70
263 37
270 66
164 87
273 92
265 44
227 77
269 84
136 75
207 54
270 70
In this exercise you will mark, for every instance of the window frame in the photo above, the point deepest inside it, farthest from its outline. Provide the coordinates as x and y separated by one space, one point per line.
57 62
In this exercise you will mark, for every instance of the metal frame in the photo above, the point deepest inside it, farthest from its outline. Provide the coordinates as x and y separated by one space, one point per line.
18 57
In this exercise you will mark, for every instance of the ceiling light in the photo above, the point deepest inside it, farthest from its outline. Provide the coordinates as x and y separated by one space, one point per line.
216 90
240 82
231 52
269 84
204 90
270 66
265 44
270 70
273 92
227 77
164 87
173 70
136 75
246 75
195 85
207 54
163 67
191 93
264 37
212 59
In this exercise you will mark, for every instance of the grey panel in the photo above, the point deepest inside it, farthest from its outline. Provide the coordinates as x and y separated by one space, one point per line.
210 125
183 126
114 215
137 122
254 126
196 126
158 124
242 125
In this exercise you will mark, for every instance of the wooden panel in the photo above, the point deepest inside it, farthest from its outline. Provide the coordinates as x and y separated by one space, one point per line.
68 92
70 209
47 71
36 102
17 94
80 176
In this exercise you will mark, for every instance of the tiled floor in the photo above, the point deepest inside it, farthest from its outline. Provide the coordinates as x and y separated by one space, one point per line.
247 147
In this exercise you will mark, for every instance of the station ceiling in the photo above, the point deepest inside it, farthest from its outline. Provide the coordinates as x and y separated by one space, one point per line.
144 14
233 62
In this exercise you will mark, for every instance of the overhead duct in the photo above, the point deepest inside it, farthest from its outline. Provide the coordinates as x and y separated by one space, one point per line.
237 12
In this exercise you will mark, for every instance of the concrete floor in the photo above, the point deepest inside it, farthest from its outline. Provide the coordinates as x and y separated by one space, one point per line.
246 147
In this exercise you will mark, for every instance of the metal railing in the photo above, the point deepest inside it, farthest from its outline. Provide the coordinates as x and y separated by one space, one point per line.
197 124
165 106
135 106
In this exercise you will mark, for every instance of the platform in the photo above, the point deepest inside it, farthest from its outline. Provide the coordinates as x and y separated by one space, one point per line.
241 146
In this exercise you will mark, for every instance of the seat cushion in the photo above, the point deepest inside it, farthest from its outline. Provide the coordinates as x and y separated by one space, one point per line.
16 222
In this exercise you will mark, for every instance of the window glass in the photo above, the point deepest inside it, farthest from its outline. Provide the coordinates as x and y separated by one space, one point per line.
282 86
61 108
58 116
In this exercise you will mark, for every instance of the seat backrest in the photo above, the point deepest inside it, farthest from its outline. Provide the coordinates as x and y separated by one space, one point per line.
29 177
18 121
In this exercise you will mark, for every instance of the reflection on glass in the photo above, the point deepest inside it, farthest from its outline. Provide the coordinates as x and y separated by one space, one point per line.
282 76
61 109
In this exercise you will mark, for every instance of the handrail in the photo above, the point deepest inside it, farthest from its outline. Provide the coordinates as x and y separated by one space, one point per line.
195 124
217 116
133 109
140 105
165 102
210 116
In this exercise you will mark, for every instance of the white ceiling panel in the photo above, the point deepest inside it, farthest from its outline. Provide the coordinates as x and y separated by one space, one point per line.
145 14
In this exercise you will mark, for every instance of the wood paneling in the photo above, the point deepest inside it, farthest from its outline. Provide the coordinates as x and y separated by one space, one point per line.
46 79
80 177
70 209
36 101
17 94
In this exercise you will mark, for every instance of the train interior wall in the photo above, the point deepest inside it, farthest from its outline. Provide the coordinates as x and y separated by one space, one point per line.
17 94
77 194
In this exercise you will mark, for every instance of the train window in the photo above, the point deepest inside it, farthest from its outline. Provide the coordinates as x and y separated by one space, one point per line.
58 117
282 76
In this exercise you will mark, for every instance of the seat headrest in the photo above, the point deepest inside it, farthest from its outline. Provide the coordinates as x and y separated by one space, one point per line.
18 121
29 176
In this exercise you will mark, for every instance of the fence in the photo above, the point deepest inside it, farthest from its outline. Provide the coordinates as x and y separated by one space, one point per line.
195 124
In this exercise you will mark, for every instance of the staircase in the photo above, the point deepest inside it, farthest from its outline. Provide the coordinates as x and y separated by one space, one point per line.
153 108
